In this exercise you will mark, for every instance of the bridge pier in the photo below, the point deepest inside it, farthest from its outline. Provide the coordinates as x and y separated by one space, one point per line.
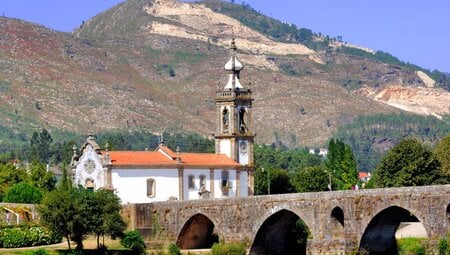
330 247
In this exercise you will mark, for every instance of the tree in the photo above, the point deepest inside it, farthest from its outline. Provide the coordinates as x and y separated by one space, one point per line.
279 181
341 162
23 193
442 151
75 213
348 170
42 178
106 215
409 163
58 210
40 146
10 175
311 179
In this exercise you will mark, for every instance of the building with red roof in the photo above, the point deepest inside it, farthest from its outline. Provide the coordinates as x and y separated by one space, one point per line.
164 174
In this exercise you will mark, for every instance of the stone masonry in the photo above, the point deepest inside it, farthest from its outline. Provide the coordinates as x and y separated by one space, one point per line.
339 221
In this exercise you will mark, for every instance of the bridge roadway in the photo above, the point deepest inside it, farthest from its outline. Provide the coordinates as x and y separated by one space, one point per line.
339 222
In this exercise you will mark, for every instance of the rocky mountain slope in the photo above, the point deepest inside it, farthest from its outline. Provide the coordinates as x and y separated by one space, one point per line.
153 64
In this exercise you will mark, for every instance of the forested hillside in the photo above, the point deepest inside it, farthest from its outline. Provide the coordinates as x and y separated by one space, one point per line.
143 66
371 136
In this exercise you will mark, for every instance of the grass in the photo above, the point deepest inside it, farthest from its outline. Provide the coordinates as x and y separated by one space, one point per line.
411 245
90 245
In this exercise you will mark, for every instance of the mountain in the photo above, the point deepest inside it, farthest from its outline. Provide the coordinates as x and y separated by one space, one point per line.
156 64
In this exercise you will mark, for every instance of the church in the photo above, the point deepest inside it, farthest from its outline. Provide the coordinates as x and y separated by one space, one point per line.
164 174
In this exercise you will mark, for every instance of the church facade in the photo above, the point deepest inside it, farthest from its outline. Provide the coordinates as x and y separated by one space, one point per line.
164 174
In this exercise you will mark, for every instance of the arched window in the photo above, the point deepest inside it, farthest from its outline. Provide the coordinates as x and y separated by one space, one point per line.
191 181
89 184
151 187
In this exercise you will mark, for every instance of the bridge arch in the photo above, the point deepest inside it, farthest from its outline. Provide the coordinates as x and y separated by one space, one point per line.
283 232
379 235
447 215
197 233
337 222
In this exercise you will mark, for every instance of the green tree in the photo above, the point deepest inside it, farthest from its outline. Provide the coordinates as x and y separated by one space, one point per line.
442 151
40 146
58 210
409 163
10 175
348 170
23 193
106 218
279 181
75 213
42 178
311 179
341 162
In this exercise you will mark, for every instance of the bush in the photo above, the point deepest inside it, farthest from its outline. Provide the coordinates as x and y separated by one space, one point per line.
228 249
27 236
173 249
411 245
133 240
23 193
443 246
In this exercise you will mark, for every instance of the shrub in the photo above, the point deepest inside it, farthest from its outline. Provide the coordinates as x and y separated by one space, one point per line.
15 237
173 249
23 193
411 245
133 240
443 246
228 249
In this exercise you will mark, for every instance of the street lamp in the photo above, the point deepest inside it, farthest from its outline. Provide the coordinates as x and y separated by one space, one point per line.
268 180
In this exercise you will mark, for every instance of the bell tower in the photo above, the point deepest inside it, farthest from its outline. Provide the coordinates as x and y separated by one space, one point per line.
234 135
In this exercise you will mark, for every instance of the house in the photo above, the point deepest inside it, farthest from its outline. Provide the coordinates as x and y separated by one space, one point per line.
364 177
164 174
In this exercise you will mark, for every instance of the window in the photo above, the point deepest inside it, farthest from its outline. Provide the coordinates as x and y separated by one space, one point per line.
224 182
89 184
202 182
150 187
191 181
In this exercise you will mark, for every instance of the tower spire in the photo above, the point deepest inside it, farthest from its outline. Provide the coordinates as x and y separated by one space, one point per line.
233 68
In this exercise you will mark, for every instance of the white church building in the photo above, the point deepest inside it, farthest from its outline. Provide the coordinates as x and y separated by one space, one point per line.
164 174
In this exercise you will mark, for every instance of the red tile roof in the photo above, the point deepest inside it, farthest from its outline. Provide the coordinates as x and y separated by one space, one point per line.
363 175
159 159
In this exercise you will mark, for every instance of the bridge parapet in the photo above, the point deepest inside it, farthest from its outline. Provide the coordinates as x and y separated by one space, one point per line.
338 218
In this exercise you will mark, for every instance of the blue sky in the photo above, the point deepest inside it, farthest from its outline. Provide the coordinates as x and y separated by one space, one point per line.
415 31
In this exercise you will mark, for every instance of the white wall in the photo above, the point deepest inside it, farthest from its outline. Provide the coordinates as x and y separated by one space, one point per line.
218 180
243 186
225 147
193 193
131 184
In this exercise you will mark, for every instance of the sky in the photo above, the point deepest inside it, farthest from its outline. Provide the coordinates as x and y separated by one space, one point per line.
415 31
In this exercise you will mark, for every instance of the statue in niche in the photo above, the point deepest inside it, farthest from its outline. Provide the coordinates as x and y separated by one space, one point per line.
242 127
225 119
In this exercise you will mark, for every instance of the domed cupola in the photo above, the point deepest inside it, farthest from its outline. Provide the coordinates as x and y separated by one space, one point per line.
233 68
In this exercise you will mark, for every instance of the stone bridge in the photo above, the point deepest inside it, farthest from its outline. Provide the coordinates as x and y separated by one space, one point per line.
339 222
